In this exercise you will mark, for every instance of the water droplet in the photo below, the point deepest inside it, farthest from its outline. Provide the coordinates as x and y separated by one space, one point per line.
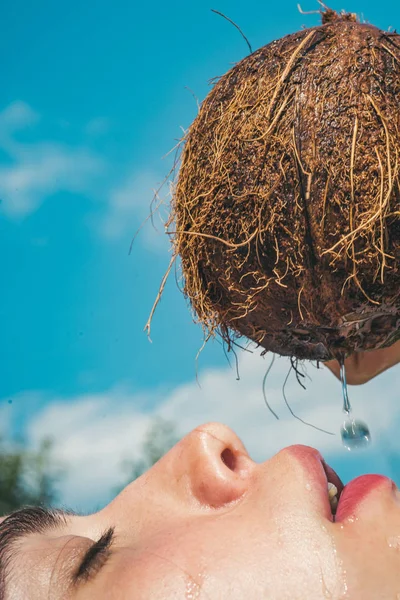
308 487
346 401
355 433
394 542
193 587
345 587
327 593
351 519
192 590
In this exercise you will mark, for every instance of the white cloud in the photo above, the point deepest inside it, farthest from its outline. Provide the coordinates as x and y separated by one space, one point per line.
42 170
37 170
34 171
129 205
17 115
93 434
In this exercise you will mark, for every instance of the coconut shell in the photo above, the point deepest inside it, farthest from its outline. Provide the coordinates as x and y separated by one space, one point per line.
286 207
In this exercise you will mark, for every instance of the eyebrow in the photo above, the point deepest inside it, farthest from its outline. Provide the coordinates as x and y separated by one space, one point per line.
21 523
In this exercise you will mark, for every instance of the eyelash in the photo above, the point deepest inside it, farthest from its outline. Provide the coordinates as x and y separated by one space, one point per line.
95 557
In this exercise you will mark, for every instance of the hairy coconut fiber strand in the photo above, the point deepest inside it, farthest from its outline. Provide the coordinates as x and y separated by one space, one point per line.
287 204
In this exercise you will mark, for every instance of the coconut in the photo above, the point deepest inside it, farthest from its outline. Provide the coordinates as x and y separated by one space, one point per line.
287 202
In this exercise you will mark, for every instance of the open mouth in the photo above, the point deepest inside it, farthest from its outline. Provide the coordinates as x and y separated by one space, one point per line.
335 487
334 500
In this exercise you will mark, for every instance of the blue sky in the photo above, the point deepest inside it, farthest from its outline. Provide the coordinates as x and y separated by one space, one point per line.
93 96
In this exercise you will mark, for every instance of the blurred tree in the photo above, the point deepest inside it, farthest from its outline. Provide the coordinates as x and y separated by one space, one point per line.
160 437
27 477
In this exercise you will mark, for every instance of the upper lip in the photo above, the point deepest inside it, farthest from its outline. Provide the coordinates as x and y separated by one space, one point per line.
320 474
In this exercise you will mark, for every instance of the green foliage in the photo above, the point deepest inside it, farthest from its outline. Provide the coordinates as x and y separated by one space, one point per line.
160 437
27 477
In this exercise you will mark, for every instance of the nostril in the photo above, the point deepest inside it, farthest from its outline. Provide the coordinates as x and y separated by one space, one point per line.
228 458
217 466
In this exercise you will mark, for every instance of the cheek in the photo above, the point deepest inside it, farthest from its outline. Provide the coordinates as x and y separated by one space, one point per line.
145 576
298 558
273 560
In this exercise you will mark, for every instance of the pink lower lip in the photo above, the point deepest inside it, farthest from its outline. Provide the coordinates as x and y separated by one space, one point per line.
355 492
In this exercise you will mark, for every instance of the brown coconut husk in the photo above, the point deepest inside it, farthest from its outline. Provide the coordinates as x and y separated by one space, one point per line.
286 209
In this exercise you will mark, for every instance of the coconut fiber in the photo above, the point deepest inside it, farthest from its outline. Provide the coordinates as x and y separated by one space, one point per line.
286 207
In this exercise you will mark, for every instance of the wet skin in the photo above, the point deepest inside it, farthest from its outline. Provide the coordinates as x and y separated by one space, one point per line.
207 522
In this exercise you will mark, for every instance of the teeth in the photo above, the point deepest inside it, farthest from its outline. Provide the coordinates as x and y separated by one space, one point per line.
332 490
332 495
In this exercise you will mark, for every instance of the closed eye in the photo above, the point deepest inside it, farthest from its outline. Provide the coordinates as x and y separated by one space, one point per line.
95 558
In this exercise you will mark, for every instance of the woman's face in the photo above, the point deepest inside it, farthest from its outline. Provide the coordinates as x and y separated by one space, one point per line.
207 522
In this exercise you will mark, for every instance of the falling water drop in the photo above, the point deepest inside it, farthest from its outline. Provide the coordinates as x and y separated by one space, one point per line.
355 433
346 401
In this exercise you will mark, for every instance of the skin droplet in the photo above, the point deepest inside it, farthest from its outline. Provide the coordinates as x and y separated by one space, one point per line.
194 586
351 519
192 590
355 433
394 542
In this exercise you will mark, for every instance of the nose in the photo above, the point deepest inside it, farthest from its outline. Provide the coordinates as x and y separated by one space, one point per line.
217 465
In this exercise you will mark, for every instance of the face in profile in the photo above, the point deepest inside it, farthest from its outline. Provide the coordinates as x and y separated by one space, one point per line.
208 522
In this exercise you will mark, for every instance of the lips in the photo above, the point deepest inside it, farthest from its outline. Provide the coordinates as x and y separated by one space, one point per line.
357 491
350 497
318 475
